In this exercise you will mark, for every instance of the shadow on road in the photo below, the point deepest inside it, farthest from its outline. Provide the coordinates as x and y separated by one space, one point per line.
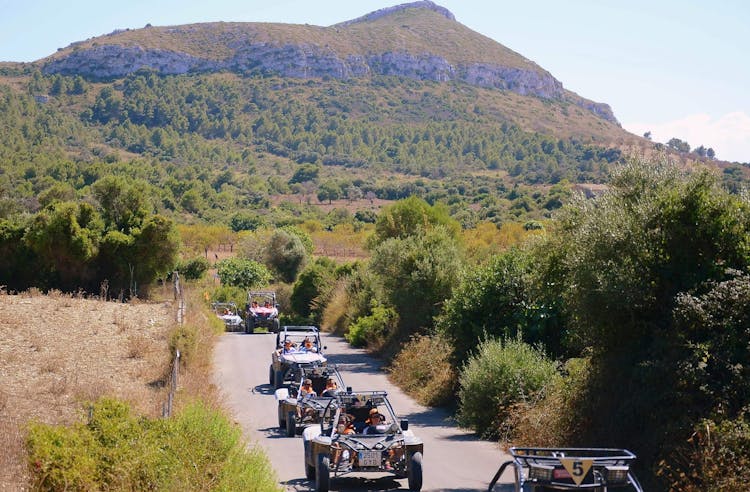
355 363
264 389
274 433
347 484
432 417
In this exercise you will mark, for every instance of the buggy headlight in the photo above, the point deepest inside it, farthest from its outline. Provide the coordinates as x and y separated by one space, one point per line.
541 472
616 474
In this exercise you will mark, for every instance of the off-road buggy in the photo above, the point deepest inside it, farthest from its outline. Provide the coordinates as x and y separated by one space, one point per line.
262 311
227 312
297 411
295 346
552 469
351 446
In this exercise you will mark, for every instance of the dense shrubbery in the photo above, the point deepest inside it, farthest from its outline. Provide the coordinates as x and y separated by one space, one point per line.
245 274
496 300
716 457
417 274
424 368
75 245
373 330
198 449
312 288
500 374
194 268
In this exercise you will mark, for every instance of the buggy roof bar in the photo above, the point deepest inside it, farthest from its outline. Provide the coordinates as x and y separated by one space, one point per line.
299 328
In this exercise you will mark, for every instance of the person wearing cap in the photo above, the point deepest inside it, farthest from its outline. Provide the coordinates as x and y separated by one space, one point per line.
375 423
331 388
307 391
288 347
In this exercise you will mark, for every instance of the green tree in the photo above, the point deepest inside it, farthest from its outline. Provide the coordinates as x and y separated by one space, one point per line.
246 274
312 288
678 145
496 300
19 266
124 204
418 274
306 172
412 216
285 254
66 239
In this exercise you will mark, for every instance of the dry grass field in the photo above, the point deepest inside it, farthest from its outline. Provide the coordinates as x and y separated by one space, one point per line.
57 352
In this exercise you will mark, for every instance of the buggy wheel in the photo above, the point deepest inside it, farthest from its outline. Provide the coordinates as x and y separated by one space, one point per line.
278 379
276 325
322 474
309 469
282 422
414 472
250 325
270 375
291 424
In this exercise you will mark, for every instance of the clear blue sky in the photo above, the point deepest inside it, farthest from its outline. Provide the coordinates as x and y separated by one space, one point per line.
677 68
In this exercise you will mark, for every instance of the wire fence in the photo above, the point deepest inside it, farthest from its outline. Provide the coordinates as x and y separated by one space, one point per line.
175 372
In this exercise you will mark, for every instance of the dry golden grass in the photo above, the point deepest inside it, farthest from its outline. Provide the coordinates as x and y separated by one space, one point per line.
57 352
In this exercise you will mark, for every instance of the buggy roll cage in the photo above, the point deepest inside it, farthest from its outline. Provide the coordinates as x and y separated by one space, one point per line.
570 468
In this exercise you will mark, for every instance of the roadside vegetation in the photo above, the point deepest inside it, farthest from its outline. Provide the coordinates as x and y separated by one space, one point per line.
197 449
621 323
456 250
110 445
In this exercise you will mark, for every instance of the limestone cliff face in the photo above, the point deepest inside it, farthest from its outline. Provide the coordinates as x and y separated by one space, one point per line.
112 57
309 61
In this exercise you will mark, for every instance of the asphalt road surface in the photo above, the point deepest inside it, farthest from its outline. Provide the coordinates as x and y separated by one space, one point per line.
454 460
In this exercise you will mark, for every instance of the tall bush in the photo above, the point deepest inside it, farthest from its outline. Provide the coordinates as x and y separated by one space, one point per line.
245 274
496 300
417 274
285 254
312 289
500 374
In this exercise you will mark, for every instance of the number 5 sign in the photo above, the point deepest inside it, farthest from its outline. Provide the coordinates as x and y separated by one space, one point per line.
577 467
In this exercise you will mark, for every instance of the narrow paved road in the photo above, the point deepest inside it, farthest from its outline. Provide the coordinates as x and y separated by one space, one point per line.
454 460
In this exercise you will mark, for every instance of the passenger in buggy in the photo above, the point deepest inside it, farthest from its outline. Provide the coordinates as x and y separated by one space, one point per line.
331 388
375 424
307 391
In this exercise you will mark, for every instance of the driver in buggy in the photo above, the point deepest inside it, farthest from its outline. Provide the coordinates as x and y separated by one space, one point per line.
376 423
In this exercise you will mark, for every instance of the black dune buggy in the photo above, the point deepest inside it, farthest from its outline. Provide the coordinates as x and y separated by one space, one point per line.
296 411
553 469
348 445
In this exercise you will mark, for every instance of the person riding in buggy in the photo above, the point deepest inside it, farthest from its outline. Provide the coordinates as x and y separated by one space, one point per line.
262 311
303 404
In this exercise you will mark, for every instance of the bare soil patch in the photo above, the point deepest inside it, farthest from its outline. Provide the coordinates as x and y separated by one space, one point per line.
57 352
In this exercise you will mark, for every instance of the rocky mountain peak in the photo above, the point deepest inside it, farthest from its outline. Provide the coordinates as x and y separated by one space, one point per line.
423 4
428 48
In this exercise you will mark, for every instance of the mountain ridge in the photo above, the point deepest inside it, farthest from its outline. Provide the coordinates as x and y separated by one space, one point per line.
419 40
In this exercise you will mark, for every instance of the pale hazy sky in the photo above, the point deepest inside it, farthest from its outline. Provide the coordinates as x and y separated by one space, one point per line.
679 68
